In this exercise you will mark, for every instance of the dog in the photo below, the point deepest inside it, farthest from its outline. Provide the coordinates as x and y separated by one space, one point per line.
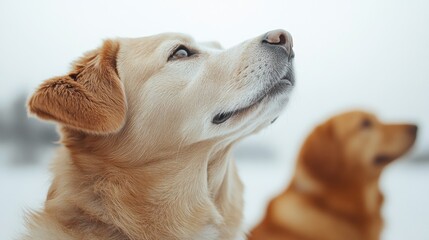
147 125
334 193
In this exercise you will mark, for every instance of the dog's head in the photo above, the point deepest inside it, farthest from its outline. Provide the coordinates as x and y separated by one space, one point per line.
168 90
355 146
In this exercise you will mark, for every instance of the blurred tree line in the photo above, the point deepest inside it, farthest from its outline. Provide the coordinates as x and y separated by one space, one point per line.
24 137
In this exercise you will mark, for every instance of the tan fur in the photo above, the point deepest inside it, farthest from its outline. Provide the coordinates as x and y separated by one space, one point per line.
334 194
141 158
90 97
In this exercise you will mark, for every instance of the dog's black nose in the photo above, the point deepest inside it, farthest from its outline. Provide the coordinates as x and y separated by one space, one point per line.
279 39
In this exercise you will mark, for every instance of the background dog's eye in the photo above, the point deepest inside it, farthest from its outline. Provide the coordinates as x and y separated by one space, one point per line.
366 123
180 52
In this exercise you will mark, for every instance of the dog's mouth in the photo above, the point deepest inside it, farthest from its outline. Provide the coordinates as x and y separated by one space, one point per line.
383 159
280 86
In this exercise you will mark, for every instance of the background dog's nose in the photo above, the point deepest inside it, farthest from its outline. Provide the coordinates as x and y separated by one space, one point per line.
279 38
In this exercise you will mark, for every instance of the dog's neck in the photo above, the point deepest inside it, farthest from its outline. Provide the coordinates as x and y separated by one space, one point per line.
355 207
174 195
354 200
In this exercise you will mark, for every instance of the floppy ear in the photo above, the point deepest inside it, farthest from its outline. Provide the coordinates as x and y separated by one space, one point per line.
320 153
90 98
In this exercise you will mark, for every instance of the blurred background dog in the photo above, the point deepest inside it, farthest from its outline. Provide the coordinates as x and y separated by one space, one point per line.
334 193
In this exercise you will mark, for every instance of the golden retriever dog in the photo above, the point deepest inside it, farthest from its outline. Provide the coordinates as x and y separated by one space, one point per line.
147 125
334 193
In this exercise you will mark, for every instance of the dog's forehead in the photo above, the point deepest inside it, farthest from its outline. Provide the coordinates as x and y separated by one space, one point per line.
179 37
187 40
210 46
352 118
149 44
152 43
349 121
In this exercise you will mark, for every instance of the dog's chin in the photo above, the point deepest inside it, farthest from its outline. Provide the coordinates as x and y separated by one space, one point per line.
274 94
267 96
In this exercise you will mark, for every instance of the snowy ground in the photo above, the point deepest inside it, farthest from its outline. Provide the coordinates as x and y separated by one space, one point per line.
405 185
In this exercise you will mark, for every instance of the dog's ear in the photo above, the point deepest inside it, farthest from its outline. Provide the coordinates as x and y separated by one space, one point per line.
90 98
320 153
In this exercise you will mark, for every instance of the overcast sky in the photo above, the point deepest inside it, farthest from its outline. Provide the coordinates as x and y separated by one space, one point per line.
367 54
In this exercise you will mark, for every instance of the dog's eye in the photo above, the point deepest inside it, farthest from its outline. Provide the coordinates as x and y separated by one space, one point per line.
180 52
366 123
222 117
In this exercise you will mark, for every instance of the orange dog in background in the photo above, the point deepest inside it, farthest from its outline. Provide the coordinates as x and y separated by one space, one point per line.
335 194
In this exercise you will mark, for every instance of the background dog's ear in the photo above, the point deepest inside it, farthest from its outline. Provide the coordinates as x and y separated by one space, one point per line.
320 153
90 98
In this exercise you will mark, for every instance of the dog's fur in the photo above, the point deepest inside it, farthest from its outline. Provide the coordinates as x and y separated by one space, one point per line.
141 157
334 194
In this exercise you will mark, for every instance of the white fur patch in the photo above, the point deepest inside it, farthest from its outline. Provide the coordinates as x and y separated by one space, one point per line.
209 232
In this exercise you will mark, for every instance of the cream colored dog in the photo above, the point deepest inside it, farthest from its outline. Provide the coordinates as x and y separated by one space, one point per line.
147 125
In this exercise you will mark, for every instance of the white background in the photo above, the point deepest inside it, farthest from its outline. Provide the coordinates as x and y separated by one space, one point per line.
362 54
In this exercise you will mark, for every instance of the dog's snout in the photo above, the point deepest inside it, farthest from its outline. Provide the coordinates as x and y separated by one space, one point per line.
279 38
